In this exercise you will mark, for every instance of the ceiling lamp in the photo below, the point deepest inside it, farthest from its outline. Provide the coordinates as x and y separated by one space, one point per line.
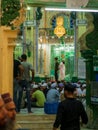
76 3
72 9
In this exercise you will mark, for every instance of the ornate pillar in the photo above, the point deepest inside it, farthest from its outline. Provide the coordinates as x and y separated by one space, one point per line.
7 44
89 47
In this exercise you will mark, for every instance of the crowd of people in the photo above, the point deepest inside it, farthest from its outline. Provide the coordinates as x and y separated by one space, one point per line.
70 108
52 91
32 94
70 96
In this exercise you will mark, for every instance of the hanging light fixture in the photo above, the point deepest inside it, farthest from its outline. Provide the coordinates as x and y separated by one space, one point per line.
71 9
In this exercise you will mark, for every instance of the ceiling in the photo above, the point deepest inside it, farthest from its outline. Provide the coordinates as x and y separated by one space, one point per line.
47 3
58 3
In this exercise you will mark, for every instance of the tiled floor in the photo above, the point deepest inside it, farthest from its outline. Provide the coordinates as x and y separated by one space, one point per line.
34 110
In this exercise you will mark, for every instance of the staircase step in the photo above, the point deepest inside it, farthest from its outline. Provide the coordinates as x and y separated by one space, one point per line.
36 122
33 117
33 121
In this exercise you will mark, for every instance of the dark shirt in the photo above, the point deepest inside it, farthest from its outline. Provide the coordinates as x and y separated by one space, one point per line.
56 66
45 92
16 68
68 116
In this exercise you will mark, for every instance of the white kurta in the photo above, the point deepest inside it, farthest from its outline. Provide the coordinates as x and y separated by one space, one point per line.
61 71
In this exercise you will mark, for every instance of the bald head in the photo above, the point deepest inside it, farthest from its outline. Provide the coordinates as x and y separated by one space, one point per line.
10 106
3 113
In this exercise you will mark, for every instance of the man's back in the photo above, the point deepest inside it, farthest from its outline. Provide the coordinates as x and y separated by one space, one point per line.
40 97
69 113
27 67
53 95
16 68
56 66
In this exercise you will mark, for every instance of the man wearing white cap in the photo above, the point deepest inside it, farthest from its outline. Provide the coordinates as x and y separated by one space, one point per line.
38 97
44 88
83 88
53 94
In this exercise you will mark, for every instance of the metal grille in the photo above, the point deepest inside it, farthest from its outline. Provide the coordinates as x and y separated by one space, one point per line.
94 92
94 89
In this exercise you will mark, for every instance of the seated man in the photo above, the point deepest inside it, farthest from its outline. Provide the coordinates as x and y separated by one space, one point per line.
38 97
44 88
61 91
53 94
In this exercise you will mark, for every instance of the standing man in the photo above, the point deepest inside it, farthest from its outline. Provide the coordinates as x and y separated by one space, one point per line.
25 82
17 74
56 68
62 71
70 111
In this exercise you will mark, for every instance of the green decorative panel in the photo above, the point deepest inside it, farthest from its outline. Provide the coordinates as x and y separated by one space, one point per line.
63 52
92 38
88 54
92 4
18 51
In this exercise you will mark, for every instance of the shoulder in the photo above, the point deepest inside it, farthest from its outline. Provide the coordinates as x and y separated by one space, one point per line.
30 66
16 62
63 102
26 64
71 100
34 93
78 102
